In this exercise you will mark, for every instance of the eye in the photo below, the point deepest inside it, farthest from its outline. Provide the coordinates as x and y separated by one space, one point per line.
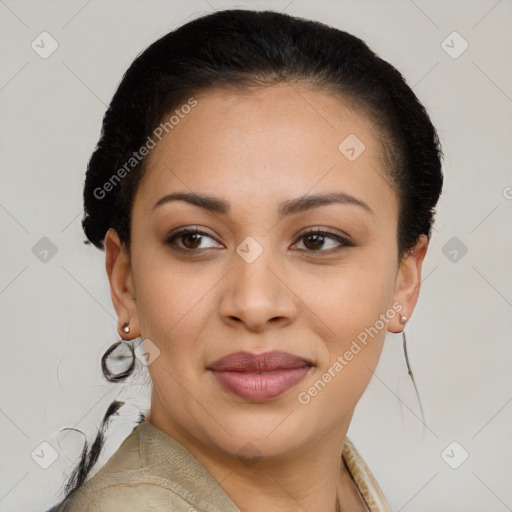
191 239
323 241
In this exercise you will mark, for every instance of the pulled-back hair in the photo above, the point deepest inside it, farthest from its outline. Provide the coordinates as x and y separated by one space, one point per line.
243 49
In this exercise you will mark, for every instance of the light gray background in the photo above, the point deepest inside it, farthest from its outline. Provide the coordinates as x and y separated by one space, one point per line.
57 318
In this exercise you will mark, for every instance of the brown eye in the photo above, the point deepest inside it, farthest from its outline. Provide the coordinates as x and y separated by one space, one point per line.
314 242
191 239
323 242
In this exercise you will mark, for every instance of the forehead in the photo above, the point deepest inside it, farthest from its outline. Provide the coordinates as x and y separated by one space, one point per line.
267 144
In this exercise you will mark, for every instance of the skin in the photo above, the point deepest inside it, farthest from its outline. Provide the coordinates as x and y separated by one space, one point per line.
255 149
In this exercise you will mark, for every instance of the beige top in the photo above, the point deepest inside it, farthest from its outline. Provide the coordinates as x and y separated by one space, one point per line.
151 471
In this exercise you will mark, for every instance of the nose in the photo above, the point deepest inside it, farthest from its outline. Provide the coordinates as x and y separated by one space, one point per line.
257 295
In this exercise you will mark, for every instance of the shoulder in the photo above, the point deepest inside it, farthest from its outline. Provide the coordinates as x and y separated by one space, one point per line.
135 497
128 482
149 472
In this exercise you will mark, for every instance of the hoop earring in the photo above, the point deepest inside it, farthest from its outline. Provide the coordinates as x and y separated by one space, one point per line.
122 354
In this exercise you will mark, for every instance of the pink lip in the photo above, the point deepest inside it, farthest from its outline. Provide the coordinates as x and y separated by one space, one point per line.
259 377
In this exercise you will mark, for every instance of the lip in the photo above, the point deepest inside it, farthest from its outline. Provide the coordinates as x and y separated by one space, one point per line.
259 377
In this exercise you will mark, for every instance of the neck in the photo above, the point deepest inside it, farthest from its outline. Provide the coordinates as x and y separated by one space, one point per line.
296 482
309 477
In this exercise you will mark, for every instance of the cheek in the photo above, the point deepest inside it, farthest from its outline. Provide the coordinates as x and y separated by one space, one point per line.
354 309
354 328
351 297
174 305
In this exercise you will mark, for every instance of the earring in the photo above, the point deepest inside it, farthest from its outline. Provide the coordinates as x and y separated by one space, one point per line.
403 320
119 359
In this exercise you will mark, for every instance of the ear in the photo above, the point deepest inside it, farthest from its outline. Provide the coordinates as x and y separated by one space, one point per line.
118 266
407 286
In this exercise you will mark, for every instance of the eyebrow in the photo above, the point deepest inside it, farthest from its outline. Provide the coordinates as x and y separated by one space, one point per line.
288 207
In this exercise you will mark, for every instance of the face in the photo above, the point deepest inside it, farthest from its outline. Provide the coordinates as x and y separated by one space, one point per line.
284 238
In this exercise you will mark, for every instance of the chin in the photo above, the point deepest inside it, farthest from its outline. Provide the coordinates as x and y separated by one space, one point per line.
263 431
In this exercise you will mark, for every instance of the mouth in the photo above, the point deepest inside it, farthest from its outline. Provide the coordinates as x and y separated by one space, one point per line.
259 377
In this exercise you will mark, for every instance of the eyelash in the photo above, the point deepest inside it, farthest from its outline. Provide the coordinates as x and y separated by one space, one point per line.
344 242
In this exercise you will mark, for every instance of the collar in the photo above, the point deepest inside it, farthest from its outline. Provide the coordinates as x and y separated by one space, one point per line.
169 460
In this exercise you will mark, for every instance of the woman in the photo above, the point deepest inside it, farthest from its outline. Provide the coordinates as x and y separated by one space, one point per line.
264 187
